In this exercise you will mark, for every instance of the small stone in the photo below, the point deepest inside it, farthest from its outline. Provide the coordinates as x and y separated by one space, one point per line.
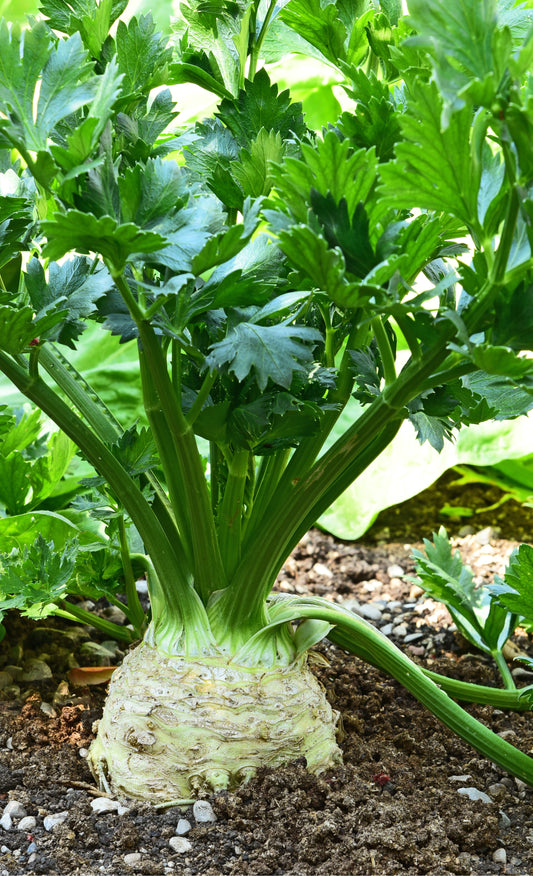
5 679
369 612
386 629
133 859
6 822
500 856
32 848
183 827
459 778
28 823
48 710
505 822
36 670
321 569
83 752
412 637
104 804
52 821
400 630
395 571
15 809
142 586
474 794
179 844
484 535
203 812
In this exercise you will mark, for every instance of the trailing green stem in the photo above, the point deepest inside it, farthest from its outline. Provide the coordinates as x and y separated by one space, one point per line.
74 613
357 635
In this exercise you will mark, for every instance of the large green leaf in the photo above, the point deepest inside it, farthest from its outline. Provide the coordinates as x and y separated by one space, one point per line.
433 167
386 483
268 352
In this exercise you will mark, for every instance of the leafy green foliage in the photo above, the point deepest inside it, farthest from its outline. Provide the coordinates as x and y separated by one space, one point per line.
479 617
515 592
271 352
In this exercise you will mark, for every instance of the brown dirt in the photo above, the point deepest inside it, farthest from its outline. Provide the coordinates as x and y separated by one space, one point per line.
393 808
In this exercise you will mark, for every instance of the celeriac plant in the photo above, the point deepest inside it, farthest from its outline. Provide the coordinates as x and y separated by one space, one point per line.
264 273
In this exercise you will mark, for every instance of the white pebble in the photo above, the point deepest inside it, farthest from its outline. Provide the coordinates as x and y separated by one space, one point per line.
179 844
6 822
321 569
203 812
52 821
386 629
395 571
29 823
132 859
369 611
474 794
15 809
104 804
183 827
400 630
500 856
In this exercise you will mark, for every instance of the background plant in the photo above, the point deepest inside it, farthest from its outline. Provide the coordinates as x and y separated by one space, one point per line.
263 274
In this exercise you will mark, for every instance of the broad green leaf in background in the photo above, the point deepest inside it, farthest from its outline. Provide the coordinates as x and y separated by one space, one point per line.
406 468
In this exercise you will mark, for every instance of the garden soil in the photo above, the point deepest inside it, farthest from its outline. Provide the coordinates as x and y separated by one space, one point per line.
398 805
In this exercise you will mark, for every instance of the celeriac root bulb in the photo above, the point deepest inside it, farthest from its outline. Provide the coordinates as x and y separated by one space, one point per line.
175 727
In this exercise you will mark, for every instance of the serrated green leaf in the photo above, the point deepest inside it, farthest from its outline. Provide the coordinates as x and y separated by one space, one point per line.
337 30
142 55
433 167
152 191
330 166
73 288
83 232
66 15
324 267
38 577
268 352
469 50
260 105
252 170
515 592
442 574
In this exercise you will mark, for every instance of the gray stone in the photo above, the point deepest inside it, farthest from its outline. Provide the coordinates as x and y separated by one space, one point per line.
400 630
369 611
474 794
15 809
386 629
28 823
395 571
504 822
203 812
32 848
179 844
36 670
500 856
183 827
6 822
133 859
53 820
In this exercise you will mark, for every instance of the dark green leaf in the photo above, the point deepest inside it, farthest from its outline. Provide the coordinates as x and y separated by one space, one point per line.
259 106
268 352
142 55
83 232
433 167
515 592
